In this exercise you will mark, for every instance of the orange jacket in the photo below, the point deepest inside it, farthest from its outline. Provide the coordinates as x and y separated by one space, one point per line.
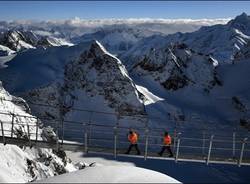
167 140
133 138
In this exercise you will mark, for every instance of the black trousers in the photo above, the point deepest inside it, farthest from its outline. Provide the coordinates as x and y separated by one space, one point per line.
135 146
164 148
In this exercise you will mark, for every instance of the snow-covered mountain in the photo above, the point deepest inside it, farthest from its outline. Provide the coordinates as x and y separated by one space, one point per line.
117 38
193 84
21 163
174 78
18 40
5 51
178 66
221 41
86 77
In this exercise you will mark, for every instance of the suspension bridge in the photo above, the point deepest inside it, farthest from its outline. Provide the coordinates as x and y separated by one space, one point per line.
96 135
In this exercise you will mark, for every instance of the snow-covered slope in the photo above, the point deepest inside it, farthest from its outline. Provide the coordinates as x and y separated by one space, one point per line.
40 66
193 84
117 38
177 66
19 40
95 81
112 174
23 164
220 41
15 40
5 51
85 76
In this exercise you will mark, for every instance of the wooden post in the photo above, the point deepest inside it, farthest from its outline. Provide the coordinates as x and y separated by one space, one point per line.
178 147
209 150
4 142
242 151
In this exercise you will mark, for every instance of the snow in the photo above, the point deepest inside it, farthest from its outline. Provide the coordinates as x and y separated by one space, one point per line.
20 163
150 97
5 51
112 174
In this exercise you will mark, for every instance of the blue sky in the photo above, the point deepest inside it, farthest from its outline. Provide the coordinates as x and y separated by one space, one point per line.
45 10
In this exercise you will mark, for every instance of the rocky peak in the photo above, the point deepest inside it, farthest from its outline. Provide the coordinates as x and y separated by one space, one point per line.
96 49
98 73
242 18
178 66
242 23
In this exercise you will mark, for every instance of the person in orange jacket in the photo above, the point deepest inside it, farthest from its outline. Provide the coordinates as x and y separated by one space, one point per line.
133 139
166 145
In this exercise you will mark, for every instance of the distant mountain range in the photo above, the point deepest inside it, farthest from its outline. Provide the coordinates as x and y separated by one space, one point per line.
204 73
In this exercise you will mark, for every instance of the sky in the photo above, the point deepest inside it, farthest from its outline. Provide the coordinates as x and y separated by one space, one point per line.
47 10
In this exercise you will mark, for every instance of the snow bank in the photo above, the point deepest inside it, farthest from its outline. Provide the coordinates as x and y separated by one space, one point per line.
112 174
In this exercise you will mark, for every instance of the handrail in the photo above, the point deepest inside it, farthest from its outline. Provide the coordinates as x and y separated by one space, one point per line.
87 130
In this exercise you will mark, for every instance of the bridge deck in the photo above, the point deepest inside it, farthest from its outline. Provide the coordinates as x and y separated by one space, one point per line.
105 151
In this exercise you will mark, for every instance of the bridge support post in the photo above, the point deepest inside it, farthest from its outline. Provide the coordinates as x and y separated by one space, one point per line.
178 147
85 142
115 141
62 121
242 151
203 143
36 129
175 137
4 142
28 129
12 124
234 144
146 144
210 148
57 136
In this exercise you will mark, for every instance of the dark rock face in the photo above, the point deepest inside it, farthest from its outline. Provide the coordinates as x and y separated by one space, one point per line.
175 82
99 73
96 74
177 67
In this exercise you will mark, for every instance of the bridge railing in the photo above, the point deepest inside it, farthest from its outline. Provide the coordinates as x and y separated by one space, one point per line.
112 137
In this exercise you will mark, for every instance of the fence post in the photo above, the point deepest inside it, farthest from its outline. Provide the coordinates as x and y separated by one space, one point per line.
62 121
209 150
203 143
36 128
234 144
12 124
4 142
57 140
146 144
178 147
28 128
90 127
86 139
115 141
242 151
174 137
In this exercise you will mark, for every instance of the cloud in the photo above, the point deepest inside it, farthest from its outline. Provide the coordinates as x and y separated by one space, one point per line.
100 22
